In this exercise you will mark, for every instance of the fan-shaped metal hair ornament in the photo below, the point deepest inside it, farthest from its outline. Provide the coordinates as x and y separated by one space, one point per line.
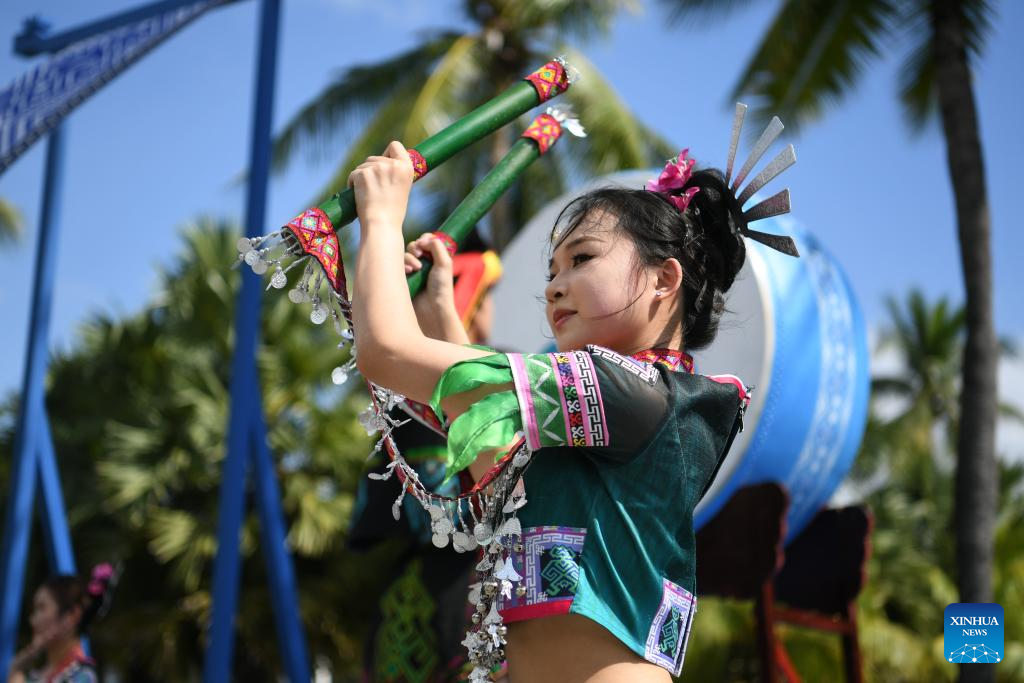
775 205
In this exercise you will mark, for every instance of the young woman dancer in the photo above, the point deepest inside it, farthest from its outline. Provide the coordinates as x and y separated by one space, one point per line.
623 438
62 610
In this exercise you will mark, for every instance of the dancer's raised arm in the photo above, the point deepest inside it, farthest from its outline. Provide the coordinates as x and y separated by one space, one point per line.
393 350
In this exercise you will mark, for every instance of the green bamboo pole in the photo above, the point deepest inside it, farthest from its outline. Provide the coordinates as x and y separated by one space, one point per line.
438 148
478 202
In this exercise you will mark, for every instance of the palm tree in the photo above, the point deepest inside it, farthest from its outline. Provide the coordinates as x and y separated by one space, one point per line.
10 222
911 582
416 93
928 340
813 54
139 413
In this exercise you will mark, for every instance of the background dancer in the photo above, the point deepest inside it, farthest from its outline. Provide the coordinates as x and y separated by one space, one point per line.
63 608
422 615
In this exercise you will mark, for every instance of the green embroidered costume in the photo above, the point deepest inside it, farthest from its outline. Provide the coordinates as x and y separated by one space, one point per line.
622 451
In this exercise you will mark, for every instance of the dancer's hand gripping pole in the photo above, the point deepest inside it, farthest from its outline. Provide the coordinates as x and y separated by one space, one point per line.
534 142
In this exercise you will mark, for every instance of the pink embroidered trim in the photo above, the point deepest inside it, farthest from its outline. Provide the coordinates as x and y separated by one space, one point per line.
566 411
676 603
736 382
574 366
522 383
670 358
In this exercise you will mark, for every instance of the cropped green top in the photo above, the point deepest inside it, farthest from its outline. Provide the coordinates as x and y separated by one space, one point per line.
623 450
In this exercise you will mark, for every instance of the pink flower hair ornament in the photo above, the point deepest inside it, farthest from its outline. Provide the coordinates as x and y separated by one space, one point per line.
103 571
675 175
102 578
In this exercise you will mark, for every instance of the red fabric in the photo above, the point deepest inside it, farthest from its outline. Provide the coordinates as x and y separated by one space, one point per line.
449 243
315 234
419 164
544 130
468 270
541 609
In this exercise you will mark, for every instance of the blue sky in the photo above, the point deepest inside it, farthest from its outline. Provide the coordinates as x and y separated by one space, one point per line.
164 143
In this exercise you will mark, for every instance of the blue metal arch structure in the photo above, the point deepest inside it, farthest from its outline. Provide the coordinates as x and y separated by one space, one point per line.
35 464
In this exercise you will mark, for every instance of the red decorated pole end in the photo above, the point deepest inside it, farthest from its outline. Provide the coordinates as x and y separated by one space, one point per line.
315 235
419 164
551 80
544 130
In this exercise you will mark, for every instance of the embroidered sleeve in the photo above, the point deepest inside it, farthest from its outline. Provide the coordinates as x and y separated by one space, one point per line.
595 399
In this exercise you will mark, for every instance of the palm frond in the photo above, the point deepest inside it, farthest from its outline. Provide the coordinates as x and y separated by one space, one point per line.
917 75
917 87
355 94
1009 347
1011 412
699 11
891 386
10 222
387 124
431 110
812 55
579 19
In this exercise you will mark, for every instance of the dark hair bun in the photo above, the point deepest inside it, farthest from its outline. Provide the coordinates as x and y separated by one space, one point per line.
713 251
718 214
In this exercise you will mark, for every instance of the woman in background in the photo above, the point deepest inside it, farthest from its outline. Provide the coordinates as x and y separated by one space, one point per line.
62 610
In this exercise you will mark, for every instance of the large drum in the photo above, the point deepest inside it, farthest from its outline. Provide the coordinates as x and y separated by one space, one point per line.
793 331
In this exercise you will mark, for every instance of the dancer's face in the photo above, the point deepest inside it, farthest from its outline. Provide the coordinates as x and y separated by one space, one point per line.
45 615
598 292
47 620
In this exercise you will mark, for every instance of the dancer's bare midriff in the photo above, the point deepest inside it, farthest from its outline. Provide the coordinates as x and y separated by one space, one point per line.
573 649
568 648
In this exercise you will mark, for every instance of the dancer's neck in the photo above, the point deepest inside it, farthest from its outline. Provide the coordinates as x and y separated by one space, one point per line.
60 653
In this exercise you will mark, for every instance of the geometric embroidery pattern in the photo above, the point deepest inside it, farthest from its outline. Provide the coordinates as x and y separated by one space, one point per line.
560 571
669 638
676 361
549 80
405 647
550 566
578 384
544 130
314 232
559 399
644 371
666 639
